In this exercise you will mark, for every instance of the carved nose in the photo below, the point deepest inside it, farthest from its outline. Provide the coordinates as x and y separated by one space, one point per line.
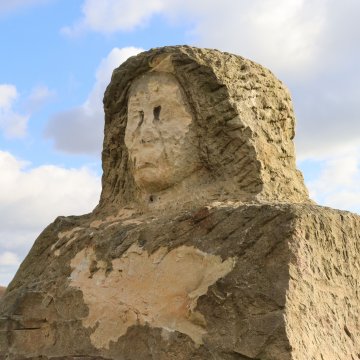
148 133
145 140
147 136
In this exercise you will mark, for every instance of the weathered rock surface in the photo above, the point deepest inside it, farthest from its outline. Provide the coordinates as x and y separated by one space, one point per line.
241 131
2 290
204 244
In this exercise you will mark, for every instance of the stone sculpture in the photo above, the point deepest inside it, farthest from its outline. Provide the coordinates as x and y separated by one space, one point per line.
204 244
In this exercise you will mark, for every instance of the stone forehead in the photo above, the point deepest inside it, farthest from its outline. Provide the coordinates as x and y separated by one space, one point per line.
151 81
161 87
161 93
242 113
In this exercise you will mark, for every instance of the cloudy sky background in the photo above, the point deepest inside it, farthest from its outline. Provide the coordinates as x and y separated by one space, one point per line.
57 58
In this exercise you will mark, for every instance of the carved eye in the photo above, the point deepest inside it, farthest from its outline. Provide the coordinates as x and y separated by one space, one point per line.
141 118
157 110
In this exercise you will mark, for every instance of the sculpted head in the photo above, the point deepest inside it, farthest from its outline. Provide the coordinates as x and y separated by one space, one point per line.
192 125
157 133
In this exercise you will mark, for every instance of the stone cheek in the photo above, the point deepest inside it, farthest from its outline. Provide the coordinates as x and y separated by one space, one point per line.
159 289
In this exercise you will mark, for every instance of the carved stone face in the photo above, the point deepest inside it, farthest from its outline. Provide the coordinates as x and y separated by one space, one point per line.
156 133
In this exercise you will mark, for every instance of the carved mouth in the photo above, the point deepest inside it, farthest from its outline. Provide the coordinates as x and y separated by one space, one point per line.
145 165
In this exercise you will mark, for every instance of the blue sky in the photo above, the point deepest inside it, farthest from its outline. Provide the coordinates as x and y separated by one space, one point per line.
57 57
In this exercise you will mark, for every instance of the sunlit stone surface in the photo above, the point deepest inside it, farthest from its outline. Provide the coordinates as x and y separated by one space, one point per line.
204 245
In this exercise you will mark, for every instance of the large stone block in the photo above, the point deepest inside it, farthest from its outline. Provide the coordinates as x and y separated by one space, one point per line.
205 244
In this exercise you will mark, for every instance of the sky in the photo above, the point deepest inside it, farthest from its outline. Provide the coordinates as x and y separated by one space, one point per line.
57 58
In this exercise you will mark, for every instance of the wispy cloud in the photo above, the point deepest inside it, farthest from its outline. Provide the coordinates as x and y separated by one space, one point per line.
16 110
12 123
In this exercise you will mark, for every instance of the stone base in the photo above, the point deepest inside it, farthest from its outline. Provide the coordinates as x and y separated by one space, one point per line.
227 281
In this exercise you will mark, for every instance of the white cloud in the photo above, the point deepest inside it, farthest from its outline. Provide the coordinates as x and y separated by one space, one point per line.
337 185
9 258
113 15
8 94
12 123
282 34
9 263
87 119
31 198
327 113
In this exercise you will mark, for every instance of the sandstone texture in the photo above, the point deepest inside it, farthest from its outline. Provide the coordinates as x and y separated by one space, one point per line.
2 291
204 244
240 135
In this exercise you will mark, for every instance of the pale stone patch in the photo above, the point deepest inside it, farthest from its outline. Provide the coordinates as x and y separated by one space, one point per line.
224 204
71 240
132 222
123 214
160 290
70 234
